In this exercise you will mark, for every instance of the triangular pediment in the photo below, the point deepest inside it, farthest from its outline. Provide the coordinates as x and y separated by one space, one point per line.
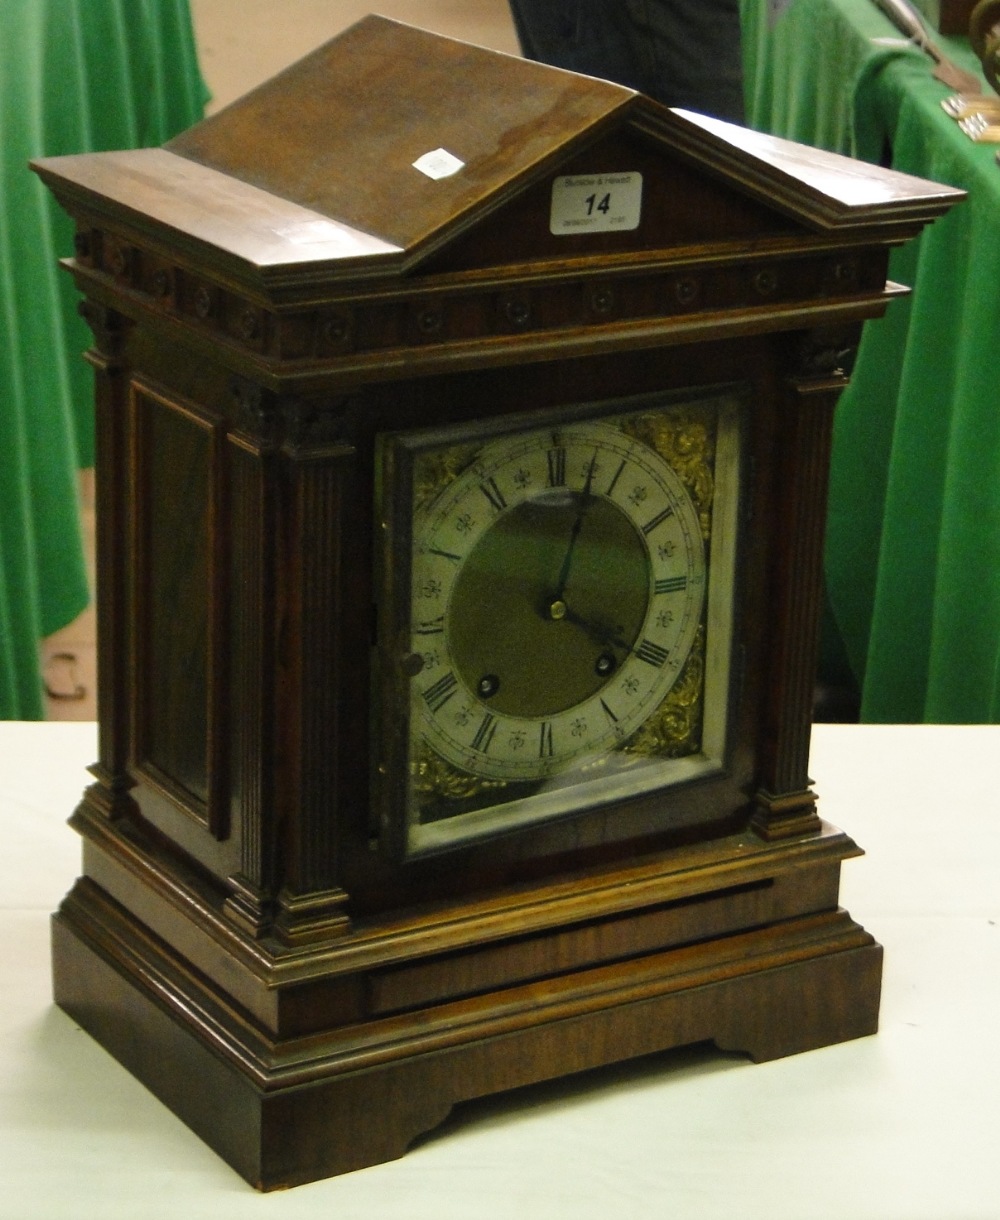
418 141
391 149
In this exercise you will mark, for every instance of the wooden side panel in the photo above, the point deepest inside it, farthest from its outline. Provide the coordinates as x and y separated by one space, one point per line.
180 672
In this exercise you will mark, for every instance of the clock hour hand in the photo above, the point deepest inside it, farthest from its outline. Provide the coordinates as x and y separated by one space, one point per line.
600 634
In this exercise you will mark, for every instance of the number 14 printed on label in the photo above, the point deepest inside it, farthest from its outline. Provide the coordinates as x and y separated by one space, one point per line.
595 203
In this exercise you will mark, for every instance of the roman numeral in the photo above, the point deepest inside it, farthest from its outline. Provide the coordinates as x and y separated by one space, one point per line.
437 695
672 584
657 520
433 550
609 713
434 626
651 653
557 466
493 493
545 749
484 734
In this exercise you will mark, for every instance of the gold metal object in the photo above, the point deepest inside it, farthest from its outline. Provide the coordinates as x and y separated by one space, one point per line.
675 729
962 105
980 129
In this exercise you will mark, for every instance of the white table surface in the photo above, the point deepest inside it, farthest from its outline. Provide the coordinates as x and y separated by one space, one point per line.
904 1125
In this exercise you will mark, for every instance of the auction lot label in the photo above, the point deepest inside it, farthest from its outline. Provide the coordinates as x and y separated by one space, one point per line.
595 203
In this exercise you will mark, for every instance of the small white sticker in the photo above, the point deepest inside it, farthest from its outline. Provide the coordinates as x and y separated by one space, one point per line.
595 203
438 164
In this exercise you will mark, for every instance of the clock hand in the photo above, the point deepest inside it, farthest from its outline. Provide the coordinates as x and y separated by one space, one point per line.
584 501
597 632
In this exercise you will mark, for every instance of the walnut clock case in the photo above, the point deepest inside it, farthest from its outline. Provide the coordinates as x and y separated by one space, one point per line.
463 430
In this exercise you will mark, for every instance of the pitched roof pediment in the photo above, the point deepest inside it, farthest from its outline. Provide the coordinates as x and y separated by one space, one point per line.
389 148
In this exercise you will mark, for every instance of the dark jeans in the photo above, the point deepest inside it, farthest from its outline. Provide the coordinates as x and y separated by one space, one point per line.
681 52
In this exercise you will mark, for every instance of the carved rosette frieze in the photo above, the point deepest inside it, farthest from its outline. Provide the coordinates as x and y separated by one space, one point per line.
447 311
334 331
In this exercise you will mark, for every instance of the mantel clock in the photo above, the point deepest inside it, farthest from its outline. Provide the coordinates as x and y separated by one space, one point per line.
463 428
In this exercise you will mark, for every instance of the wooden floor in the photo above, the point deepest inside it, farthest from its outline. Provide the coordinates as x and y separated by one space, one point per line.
242 43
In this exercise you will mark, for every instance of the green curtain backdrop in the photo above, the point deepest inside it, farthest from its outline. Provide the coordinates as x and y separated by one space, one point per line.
913 545
75 76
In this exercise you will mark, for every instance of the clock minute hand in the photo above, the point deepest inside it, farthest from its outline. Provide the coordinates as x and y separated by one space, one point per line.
586 496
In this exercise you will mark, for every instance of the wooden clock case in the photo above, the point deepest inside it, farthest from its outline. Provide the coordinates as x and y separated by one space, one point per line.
268 293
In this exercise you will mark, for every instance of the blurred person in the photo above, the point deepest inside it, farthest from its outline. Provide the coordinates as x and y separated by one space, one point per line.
681 52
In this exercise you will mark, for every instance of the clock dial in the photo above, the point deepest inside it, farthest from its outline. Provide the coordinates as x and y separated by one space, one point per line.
563 617
558 585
